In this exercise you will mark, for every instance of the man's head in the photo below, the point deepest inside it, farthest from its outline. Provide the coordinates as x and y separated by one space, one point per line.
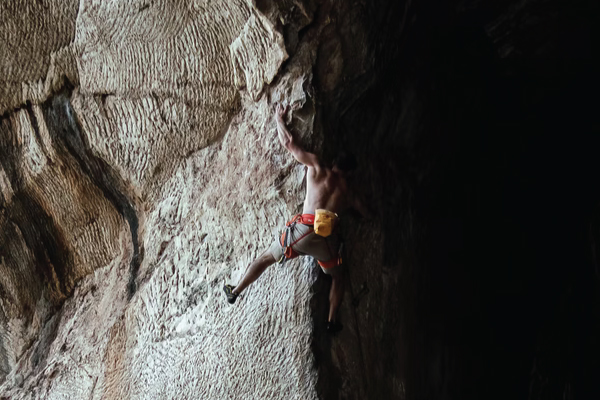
344 162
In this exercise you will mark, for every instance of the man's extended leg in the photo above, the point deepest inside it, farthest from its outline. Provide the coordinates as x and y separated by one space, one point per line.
336 294
255 269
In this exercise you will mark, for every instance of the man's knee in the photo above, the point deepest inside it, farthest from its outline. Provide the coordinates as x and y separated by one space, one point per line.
267 257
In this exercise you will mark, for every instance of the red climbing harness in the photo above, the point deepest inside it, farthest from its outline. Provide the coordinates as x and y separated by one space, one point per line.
286 237
289 253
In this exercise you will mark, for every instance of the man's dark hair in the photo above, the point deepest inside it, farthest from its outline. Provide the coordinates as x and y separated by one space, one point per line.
345 161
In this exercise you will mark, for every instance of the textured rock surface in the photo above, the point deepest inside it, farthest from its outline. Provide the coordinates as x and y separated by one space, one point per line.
32 35
139 170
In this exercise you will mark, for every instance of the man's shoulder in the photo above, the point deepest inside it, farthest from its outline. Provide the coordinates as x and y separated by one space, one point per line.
318 171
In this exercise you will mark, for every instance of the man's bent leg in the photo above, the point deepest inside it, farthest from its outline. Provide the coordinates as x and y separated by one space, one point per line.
256 268
336 294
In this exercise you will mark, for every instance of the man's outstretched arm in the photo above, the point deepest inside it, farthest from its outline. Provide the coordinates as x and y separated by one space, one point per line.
287 140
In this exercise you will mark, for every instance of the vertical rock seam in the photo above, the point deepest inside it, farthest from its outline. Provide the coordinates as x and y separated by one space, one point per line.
65 129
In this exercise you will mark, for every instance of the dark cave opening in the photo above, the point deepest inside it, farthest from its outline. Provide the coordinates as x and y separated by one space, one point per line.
482 165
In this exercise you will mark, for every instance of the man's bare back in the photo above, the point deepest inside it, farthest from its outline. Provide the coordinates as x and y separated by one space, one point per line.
325 188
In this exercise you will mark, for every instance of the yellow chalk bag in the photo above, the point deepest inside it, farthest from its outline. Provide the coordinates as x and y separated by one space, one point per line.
324 222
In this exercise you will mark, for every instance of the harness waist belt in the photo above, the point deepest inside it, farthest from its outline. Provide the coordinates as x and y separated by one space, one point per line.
306 219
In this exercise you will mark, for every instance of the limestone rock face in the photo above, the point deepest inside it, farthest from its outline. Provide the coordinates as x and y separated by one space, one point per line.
138 182
140 171
32 38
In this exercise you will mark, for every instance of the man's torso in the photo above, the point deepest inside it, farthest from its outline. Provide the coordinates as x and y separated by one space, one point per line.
324 189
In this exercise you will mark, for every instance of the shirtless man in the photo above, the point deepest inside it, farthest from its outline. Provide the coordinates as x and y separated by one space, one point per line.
325 189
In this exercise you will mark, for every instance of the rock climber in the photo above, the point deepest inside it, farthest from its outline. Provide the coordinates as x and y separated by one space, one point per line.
315 232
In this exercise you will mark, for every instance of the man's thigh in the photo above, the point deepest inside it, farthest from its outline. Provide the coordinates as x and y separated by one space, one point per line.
323 249
275 250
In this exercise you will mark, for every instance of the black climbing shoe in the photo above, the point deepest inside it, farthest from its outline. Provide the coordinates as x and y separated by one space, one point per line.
333 327
231 297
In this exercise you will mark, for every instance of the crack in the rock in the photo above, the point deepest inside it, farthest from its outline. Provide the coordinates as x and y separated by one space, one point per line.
35 127
41 234
64 125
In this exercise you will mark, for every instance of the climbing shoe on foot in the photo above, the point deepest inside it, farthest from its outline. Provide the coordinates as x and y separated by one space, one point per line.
333 327
231 297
